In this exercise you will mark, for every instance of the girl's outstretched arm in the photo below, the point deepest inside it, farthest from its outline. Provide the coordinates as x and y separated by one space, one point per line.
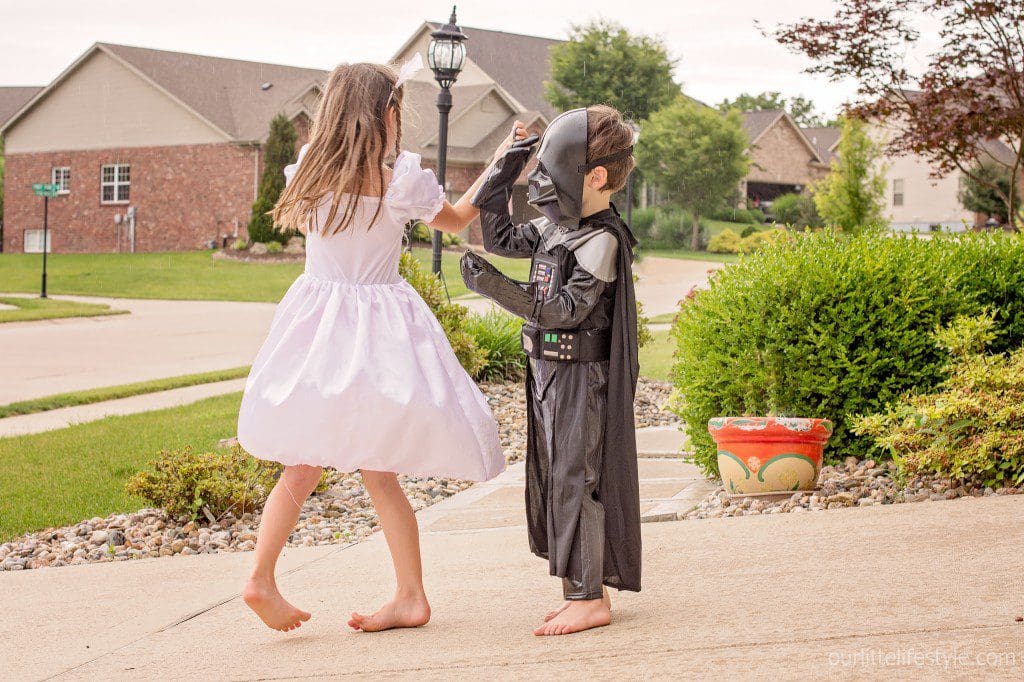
456 217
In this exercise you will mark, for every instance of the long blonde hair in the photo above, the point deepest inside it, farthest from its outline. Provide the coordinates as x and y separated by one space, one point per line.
347 146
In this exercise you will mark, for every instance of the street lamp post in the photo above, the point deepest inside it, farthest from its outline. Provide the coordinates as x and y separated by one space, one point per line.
445 56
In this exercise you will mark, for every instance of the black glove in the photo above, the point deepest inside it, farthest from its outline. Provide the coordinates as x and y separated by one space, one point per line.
497 188
485 279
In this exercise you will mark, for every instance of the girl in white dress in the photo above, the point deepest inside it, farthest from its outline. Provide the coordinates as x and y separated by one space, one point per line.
356 373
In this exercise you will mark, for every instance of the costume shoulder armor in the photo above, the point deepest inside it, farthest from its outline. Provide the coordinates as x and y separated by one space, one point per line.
541 224
599 256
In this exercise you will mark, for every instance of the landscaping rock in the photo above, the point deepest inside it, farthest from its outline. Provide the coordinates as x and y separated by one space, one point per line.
258 249
341 514
860 483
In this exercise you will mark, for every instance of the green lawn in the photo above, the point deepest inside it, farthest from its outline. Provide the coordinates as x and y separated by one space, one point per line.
96 395
32 309
656 357
61 477
190 275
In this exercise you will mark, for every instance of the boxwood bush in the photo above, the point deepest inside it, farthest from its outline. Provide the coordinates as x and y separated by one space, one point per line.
830 326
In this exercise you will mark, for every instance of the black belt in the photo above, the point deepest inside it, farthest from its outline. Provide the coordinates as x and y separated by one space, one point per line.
567 345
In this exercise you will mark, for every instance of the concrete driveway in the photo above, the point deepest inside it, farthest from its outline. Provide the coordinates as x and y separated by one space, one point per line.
662 283
158 339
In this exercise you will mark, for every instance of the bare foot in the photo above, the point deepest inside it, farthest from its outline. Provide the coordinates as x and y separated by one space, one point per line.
577 617
554 612
400 612
265 600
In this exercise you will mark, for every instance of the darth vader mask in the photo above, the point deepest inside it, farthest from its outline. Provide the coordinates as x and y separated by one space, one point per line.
556 184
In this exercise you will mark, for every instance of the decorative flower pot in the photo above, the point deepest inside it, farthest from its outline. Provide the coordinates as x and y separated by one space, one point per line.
758 455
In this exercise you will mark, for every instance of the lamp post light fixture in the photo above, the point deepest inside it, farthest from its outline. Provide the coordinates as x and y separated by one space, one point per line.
445 56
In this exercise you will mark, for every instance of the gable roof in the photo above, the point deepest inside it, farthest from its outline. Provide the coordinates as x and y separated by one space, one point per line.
520 63
757 123
420 121
13 98
824 139
226 93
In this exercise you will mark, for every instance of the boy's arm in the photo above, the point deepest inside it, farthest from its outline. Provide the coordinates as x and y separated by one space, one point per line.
455 217
593 274
501 236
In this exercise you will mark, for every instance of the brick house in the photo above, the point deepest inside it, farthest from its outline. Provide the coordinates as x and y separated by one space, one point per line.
784 157
161 151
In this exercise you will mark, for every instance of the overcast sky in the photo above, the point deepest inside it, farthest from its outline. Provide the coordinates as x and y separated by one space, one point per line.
721 52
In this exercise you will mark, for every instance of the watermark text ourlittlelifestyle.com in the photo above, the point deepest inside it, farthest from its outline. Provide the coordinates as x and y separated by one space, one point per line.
910 657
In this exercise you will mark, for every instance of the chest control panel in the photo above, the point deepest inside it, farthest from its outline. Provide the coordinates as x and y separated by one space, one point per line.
559 345
544 276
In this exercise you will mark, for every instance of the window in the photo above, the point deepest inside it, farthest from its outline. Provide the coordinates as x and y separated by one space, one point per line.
897 192
34 241
115 181
62 178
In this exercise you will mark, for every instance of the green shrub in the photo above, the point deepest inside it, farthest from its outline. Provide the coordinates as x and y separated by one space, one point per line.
452 316
239 245
786 209
747 231
759 238
498 333
739 215
825 325
643 219
418 231
728 241
796 210
186 483
449 239
971 429
274 247
725 241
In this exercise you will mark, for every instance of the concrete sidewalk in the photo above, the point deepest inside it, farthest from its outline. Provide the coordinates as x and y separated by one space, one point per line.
913 591
50 420
847 594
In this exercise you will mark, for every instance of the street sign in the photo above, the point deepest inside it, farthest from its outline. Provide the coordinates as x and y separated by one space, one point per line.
45 189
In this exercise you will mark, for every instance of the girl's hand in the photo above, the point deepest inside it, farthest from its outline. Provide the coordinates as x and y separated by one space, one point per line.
519 132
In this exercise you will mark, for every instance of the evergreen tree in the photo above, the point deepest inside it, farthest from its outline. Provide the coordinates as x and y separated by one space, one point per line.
278 153
851 195
983 191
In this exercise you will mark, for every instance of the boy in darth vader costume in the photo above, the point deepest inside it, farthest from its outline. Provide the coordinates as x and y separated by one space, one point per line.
580 336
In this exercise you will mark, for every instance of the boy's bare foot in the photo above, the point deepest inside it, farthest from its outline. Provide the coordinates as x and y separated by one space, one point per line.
577 617
266 601
554 612
400 612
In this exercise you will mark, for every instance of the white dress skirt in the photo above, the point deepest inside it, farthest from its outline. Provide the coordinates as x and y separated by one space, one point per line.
356 372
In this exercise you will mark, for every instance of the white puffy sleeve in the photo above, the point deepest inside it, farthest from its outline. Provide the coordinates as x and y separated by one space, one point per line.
289 170
414 192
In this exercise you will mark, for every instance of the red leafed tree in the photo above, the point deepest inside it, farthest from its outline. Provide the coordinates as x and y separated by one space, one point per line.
962 110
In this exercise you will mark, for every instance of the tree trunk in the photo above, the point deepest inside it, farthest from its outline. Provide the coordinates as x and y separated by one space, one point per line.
695 235
643 194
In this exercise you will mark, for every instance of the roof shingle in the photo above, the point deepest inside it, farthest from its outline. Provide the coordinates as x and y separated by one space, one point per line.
226 92
12 99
